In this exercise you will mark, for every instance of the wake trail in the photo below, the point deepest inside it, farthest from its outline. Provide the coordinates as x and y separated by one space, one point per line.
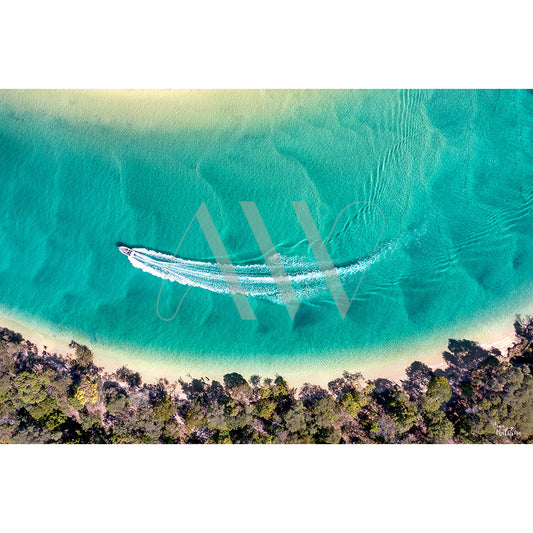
306 279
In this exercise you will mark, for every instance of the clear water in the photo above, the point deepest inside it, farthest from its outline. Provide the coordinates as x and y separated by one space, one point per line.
451 171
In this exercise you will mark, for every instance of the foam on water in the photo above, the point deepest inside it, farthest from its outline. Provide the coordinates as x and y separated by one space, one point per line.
307 280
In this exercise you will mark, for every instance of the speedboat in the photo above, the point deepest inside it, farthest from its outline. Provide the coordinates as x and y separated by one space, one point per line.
125 250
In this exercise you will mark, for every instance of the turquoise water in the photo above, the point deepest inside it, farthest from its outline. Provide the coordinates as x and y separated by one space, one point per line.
449 173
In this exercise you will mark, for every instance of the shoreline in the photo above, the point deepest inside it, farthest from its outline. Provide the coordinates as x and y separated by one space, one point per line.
417 335
110 360
143 109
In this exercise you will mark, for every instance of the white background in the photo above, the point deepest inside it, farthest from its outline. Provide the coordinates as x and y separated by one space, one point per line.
203 44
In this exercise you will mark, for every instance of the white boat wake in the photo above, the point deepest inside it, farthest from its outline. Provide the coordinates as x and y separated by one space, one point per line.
306 279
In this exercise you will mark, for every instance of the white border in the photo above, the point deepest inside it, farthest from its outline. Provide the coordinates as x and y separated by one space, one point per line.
243 44
232 44
265 488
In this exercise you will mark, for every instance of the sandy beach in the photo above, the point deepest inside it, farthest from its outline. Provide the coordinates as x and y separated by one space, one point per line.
173 108
391 367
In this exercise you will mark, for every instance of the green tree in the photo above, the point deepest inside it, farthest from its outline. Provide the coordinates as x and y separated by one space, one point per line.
234 380
353 401
438 393
403 410
32 394
497 404
30 388
326 435
296 418
54 420
265 409
116 399
87 391
164 407
255 380
281 387
237 387
326 411
133 379
84 356
440 429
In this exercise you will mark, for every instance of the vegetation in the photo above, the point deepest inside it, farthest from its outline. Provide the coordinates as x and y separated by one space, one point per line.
480 397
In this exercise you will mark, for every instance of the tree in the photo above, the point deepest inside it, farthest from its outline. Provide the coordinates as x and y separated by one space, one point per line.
164 408
296 418
265 409
32 394
326 411
84 356
403 410
30 389
5 393
55 420
255 380
497 405
87 391
234 380
462 357
117 403
349 381
418 376
237 387
353 401
311 393
137 426
133 379
478 398
440 429
281 387
438 393
326 435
